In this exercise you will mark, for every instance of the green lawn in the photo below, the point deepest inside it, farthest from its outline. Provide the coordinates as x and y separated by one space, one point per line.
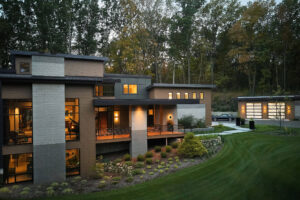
217 129
250 166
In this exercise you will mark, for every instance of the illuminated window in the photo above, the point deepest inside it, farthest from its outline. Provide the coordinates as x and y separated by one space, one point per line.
104 90
276 110
18 121
18 167
178 95
201 95
253 110
72 162
24 68
170 95
130 89
72 119
186 95
125 89
194 95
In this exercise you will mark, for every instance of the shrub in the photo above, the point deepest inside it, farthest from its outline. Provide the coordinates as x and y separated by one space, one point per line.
167 169
176 157
137 172
26 189
83 182
161 171
118 168
102 184
15 187
139 165
176 166
155 170
191 146
128 163
117 160
149 161
64 184
115 180
188 121
157 148
54 184
141 177
162 163
163 154
200 124
149 167
76 179
99 169
5 190
50 192
127 157
159 167
24 193
157 160
140 158
175 145
170 159
171 162
129 179
151 173
67 191
149 154
168 149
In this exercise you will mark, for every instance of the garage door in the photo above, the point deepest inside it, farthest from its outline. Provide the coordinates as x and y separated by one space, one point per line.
276 110
253 110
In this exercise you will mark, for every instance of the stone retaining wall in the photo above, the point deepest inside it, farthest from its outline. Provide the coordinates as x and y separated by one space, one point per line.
212 142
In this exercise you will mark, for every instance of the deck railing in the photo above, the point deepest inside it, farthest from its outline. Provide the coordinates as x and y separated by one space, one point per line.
159 129
113 133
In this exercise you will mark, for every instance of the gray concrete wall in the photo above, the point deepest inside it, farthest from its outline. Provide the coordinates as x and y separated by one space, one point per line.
142 83
138 120
48 109
297 109
196 110
48 66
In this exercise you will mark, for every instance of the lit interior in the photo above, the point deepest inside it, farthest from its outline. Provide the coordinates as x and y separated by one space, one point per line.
178 95
186 95
170 95
72 162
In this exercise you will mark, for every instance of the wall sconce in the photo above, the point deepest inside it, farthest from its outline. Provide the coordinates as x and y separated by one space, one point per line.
288 109
116 116
243 110
150 111
265 109
170 117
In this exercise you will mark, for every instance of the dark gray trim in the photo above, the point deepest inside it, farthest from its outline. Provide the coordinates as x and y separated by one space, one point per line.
18 78
66 56
1 127
269 98
110 102
167 85
126 76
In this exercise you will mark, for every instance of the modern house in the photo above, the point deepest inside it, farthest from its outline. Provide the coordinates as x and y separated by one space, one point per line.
269 107
58 112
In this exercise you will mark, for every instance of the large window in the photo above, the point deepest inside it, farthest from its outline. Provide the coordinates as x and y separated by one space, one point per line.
170 95
253 110
276 110
72 119
18 121
130 89
178 95
194 95
72 162
186 95
18 168
201 95
105 90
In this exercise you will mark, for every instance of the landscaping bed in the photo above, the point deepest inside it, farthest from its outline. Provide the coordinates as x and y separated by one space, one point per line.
118 173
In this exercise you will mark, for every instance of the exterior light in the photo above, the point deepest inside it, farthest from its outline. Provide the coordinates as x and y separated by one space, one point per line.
288 109
170 117
265 109
243 110
116 116
150 111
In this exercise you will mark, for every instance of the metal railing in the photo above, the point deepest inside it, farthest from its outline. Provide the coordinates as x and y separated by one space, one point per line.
112 133
159 129
13 138
71 136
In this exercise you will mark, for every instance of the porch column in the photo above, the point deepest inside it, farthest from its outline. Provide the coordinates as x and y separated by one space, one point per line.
138 122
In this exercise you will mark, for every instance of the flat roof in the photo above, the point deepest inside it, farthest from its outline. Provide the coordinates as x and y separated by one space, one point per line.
269 98
21 78
111 102
168 85
67 56
126 76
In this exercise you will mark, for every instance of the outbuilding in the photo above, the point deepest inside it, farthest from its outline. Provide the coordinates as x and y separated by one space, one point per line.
269 107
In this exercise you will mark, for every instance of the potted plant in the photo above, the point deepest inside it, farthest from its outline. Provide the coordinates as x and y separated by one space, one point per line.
242 121
238 120
251 124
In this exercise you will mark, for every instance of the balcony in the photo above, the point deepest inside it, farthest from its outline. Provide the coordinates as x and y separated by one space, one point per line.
115 134
165 130
22 137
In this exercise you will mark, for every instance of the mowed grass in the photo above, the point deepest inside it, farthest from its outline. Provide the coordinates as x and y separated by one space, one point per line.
250 166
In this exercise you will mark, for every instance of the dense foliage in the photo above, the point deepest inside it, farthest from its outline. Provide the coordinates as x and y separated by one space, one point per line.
252 48
189 121
191 146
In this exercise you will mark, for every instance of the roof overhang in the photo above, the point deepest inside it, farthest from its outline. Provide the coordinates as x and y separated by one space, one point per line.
269 98
185 86
112 102
18 78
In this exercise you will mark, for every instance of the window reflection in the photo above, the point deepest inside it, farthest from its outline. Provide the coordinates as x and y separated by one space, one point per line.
72 162
72 119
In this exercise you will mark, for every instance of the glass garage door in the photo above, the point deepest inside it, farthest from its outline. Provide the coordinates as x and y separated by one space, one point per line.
276 110
253 110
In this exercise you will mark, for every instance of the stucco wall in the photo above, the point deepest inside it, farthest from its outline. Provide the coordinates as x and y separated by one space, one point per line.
196 110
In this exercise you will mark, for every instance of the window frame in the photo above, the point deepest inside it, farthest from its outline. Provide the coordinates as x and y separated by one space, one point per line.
170 95
128 89
194 95
20 68
104 91
77 134
78 168
186 95
178 93
201 95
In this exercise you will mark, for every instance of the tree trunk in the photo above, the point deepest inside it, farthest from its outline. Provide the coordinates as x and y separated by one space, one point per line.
189 67
174 73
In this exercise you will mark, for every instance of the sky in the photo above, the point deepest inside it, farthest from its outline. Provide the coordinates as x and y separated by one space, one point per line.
244 2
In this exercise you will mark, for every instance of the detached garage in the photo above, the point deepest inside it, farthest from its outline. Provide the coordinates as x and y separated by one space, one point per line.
269 107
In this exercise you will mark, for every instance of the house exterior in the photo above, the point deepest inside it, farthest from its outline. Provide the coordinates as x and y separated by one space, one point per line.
58 112
269 107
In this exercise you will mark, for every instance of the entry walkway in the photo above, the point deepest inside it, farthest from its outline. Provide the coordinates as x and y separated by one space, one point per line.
238 129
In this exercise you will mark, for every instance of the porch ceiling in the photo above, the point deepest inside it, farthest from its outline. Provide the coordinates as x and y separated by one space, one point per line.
111 102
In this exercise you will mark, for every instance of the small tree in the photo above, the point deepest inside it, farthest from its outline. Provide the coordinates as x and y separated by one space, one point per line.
191 146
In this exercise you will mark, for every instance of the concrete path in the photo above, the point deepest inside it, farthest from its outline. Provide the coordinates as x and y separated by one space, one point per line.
238 129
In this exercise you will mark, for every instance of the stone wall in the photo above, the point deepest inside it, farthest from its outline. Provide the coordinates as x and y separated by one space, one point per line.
211 143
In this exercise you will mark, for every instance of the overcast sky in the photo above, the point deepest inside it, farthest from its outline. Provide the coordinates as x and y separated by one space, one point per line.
244 2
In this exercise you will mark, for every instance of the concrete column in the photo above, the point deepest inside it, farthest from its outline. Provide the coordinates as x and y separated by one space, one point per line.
48 108
138 122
